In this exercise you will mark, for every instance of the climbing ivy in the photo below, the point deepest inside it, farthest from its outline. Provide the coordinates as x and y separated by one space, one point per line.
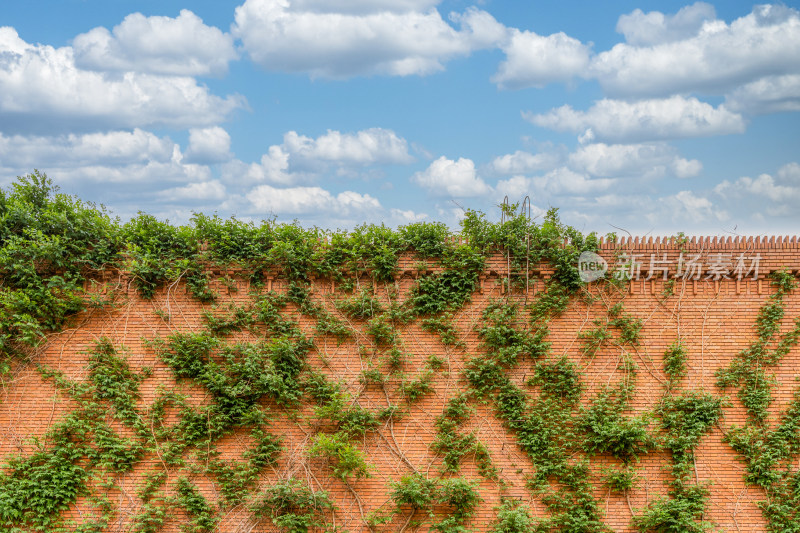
251 360
769 448
454 445
748 370
293 506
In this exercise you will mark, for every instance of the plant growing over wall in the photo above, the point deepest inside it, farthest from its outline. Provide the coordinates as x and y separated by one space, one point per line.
203 516
608 431
443 326
361 306
36 489
675 362
450 289
52 244
453 445
541 425
620 480
238 375
748 369
419 493
684 419
768 448
347 461
513 517
292 506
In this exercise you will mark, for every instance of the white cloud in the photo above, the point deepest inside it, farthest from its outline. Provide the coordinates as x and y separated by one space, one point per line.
291 37
363 6
534 60
521 162
129 179
686 168
686 207
112 148
208 145
303 159
41 89
653 160
638 213
310 200
647 29
406 216
273 168
716 58
445 177
645 120
181 46
516 187
565 181
202 191
773 94
127 170
370 146
781 192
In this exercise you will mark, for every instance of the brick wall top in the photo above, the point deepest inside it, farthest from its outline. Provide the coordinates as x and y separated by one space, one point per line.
770 242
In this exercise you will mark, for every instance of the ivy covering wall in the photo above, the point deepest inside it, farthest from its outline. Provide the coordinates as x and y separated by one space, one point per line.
257 363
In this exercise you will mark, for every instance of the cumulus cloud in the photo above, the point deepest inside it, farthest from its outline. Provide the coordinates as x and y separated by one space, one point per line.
123 169
308 200
521 162
534 60
515 187
564 180
690 52
181 46
370 146
406 216
593 180
363 6
647 29
646 161
645 120
777 195
300 158
445 177
41 89
685 168
746 205
772 94
273 168
208 145
305 37
129 169
111 148
207 190
127 189
686 206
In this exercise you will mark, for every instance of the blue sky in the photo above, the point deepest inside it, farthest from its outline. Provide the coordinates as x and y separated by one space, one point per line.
653 117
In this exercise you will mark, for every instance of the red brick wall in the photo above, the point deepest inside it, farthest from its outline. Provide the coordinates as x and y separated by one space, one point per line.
714 319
